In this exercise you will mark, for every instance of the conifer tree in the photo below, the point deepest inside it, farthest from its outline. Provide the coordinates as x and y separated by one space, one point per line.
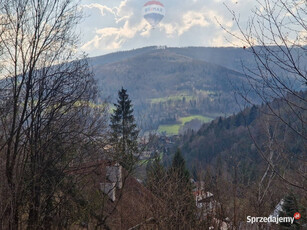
289 207
182 201
179 167
156 176
124 132
173 187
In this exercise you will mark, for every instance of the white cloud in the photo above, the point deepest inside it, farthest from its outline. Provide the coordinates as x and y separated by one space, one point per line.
118 24
112 38
193 18
103 9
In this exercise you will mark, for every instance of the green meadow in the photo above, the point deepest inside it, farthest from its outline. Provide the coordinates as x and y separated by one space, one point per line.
171 98
174 129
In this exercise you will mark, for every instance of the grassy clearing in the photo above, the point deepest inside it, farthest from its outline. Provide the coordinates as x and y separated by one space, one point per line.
169 129
199 117
172 98
174 129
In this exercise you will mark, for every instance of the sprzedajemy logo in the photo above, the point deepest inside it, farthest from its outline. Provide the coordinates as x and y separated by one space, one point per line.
274 219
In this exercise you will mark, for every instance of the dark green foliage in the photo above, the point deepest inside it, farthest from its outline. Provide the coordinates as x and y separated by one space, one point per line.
239 119
231 139
253 113
289 208
124 132
156 175
173 187
179 167
182 198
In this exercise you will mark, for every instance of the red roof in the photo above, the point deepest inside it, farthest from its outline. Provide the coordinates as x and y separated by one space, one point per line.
153 3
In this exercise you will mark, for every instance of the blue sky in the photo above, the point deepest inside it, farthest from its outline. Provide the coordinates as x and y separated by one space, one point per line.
114 25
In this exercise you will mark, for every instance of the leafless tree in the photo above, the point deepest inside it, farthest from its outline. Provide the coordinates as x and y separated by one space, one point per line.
49 115
276 37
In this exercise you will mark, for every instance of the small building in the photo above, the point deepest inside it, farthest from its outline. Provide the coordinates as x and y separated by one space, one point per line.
125 202
208 207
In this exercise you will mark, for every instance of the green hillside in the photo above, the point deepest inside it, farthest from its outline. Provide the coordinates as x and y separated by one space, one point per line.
175 128
165 86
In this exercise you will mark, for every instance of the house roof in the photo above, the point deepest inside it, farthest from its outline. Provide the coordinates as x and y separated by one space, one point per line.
134 203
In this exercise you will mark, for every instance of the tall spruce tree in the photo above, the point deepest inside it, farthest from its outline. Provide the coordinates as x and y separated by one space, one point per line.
172 186
289 207
156 176
182 200
179 167
124 132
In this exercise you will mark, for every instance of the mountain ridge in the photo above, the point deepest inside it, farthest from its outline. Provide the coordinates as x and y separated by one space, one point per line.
166 86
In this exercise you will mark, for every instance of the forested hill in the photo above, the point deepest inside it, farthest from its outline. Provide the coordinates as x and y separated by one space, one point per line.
169 86
164 73
229 57
243 158
172 86
241 139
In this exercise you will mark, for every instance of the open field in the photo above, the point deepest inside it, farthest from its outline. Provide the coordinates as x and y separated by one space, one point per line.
174 129
198 117
169 129
172 98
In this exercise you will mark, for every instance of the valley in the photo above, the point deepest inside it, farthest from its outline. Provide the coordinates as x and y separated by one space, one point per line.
170 87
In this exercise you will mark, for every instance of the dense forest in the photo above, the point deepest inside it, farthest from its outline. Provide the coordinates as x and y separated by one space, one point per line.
240 151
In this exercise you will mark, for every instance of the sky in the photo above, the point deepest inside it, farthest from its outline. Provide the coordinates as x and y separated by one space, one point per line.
115 25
